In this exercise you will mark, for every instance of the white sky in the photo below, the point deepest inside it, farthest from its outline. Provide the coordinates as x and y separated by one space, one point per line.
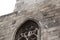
6 6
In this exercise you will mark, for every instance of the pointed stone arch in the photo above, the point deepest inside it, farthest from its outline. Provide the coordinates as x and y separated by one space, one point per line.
28 30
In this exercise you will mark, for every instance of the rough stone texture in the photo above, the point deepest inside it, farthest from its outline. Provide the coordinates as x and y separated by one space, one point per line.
46 12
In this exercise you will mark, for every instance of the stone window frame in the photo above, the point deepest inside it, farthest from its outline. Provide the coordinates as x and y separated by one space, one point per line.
32 19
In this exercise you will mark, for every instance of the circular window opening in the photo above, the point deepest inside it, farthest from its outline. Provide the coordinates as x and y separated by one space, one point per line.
27 31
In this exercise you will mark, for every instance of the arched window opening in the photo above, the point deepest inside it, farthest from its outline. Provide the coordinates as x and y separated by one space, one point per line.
27 31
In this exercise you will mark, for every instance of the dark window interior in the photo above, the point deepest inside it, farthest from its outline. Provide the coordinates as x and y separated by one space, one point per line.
27 31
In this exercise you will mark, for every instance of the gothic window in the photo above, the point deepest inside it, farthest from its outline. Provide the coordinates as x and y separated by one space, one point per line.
27 31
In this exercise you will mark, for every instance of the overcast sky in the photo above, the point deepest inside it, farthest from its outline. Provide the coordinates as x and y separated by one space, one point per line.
6 6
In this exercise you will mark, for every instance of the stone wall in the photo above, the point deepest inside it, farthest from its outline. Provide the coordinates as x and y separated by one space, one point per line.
46 12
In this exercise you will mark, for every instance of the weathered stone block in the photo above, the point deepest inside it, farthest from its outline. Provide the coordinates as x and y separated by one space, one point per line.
46 14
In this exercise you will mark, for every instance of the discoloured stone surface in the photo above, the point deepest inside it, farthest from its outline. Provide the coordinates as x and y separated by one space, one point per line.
47 12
